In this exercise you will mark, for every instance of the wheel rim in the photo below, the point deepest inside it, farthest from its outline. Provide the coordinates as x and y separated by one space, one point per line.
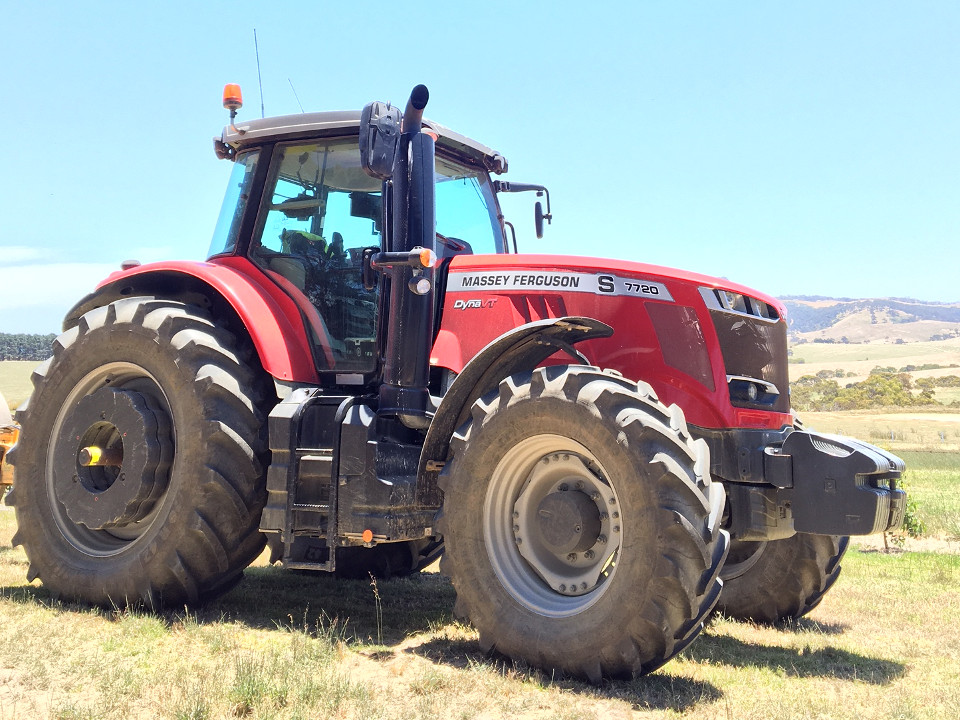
119 407
552 526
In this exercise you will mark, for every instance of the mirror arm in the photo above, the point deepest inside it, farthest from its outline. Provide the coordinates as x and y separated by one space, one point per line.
513 232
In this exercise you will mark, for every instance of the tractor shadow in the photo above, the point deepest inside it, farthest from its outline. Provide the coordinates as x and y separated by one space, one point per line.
660 691
369 611
800 661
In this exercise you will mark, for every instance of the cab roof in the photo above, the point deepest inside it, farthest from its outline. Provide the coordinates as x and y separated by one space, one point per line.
257 131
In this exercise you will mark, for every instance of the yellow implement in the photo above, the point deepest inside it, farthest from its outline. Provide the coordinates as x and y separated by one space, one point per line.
9 432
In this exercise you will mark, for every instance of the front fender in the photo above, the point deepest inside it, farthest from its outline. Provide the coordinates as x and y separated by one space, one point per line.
520 349
270 317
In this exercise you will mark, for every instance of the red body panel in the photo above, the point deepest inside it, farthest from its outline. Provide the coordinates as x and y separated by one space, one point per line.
271 317
694 376
474 316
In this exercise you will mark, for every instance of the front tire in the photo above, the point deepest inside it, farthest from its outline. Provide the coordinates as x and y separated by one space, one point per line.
173 518
581 529
780 580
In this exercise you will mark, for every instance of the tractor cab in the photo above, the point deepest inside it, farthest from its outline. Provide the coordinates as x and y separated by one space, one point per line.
300 207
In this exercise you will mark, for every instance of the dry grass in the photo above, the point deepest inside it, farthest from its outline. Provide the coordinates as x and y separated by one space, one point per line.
896 431
861 358
15 385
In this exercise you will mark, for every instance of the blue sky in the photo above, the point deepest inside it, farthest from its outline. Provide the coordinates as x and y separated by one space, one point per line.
799 148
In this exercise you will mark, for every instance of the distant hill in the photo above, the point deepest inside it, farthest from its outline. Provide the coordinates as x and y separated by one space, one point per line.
879 320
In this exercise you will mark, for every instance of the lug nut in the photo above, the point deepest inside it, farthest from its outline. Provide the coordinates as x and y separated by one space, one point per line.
602 539
589 554
572 557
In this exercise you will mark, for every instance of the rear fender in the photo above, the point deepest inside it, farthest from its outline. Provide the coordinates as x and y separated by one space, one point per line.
521 349
236 292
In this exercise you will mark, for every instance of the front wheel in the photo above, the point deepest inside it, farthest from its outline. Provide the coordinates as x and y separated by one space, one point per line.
780 580
581 530
139 470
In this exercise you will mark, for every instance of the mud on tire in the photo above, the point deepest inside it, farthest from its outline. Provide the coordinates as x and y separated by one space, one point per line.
176 519
581 528
780 580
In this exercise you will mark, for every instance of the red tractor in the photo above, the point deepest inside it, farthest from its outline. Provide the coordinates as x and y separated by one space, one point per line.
364 373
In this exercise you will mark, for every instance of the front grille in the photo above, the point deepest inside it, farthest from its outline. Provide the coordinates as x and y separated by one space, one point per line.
753 342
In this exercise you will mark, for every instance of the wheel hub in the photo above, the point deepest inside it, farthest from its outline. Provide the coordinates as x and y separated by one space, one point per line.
568 521
129 436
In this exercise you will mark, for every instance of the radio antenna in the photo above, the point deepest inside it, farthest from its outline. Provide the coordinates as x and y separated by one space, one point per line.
256 49
295 94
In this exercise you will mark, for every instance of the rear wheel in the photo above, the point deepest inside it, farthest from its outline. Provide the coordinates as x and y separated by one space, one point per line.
779 580
139 473
581 532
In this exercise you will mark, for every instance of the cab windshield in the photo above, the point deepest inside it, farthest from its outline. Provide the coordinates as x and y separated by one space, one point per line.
319 214
234 203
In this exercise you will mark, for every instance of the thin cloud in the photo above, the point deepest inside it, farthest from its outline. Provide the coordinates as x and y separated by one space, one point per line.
37 296
18 254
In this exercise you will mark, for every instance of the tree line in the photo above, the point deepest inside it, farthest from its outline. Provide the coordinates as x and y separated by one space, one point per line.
21 346
883 388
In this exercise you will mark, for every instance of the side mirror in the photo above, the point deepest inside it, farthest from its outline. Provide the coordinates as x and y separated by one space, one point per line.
379 135
503 186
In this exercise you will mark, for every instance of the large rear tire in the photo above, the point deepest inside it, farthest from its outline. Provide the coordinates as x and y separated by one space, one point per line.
780 580
581 528
173 518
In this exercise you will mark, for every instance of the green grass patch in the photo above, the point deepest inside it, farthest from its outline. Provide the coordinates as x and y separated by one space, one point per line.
933 481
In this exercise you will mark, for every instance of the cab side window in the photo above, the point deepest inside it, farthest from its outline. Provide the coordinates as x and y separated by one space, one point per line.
323 212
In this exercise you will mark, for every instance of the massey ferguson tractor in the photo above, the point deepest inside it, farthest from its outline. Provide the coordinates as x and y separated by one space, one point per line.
365 374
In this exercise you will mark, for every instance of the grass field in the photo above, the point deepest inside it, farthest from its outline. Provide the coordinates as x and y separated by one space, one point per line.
895 431
883 644
15 383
